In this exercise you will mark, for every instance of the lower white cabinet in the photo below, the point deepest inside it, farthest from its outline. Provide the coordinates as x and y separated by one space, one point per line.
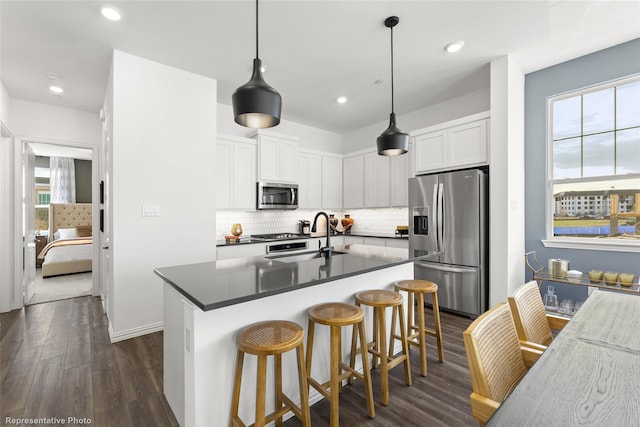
241 250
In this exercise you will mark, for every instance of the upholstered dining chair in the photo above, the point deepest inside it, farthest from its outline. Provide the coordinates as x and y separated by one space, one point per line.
497 360
532 322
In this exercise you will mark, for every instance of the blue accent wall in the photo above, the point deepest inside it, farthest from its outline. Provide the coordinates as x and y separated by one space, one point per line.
602 66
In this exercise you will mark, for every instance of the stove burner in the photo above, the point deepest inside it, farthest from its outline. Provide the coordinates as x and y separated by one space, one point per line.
276 236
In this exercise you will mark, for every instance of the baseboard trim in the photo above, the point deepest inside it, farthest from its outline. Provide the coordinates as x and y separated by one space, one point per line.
134 332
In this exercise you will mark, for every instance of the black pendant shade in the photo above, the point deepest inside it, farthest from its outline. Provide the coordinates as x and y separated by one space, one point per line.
393 141
256 104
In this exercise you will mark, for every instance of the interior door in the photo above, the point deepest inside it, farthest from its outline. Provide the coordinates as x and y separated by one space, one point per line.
28 219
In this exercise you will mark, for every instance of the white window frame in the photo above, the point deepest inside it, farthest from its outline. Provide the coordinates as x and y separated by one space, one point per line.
580 242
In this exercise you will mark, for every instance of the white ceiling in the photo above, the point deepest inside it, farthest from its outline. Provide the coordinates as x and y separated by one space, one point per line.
314 51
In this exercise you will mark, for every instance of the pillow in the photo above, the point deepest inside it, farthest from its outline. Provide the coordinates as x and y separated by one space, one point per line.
83 231
65 233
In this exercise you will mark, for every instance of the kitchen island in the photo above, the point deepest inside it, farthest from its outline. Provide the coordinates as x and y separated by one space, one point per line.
205 305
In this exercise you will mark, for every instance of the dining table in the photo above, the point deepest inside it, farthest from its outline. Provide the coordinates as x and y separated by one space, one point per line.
589 375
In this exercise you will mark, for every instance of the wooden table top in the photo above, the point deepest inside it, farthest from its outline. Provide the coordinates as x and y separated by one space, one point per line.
589 375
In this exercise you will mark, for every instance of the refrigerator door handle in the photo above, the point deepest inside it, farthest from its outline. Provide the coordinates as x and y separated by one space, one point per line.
440 218
451 269
434 215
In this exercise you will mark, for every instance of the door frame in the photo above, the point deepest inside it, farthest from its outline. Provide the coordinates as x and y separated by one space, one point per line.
18 223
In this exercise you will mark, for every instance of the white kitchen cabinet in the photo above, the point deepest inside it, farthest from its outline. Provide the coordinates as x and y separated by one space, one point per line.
376 180
241 250
452 145
353 182
235 173
310 180
331 182
374 241
350 240
399 174
277 156
397 243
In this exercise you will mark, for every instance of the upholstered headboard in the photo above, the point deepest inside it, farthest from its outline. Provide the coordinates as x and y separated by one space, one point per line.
68 215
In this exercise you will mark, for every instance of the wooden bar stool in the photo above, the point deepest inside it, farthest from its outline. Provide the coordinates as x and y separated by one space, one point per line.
271 338
336 315
381 299
416 334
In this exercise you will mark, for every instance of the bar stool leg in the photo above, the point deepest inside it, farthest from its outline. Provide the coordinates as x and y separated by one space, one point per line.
405 345
310 332
261 390
236 388
277 367
380 325
334 376
438 331
304 388
354 347
422 339
365 370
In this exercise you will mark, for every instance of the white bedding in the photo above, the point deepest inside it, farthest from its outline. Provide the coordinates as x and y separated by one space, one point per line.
67 260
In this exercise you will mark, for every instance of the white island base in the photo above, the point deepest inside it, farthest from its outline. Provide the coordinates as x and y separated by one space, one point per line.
200 349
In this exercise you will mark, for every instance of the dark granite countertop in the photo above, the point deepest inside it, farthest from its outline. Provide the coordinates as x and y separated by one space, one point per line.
249 240
216 284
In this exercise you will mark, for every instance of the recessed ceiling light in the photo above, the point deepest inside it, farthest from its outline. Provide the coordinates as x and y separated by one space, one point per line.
341 100
454 47
110 13
56 89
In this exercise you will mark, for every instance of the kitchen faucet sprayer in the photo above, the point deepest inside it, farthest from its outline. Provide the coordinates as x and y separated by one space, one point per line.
327 249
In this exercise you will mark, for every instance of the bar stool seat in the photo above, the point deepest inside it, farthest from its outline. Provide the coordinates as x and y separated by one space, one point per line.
336 315
381 299
417 330
271 338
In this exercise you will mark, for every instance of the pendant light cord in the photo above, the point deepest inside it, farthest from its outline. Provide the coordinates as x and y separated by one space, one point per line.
392 109
257 30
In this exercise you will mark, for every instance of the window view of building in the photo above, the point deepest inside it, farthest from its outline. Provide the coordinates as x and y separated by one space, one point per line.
43 197
594 169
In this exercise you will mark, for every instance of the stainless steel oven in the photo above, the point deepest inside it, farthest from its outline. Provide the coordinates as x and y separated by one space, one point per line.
277 195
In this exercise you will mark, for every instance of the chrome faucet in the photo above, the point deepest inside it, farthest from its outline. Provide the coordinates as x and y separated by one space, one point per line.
327 249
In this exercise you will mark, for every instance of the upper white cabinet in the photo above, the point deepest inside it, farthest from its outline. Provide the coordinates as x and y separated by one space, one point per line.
277 156
331 182
353 182
310 180
235 172
376 180
452 145
399 174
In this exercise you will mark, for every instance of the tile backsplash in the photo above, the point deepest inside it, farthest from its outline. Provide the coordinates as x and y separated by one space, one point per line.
264 222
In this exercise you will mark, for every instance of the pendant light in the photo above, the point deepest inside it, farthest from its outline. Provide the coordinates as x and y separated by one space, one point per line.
393 141
256 104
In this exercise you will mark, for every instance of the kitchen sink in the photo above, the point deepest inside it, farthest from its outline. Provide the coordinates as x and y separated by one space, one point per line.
302 256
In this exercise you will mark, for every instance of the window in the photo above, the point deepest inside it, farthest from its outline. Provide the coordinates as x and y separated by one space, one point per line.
593 182
43 198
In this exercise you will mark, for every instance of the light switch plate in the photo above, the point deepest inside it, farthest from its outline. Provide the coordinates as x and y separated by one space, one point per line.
150 210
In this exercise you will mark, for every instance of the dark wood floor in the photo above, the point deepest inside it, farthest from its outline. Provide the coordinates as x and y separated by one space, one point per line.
57 361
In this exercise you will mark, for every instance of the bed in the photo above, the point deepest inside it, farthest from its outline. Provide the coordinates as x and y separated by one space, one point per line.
70 247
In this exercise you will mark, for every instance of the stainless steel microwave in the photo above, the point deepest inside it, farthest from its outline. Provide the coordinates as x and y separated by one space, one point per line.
277 195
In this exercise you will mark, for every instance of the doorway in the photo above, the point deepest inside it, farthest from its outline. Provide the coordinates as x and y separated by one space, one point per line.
42 281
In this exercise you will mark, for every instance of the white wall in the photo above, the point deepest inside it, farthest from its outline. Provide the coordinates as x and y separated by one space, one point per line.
5 106
310 137
506 180
7 259
471 103
34 120
164 138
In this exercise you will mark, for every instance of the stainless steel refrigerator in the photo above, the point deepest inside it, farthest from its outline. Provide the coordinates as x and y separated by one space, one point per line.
448 213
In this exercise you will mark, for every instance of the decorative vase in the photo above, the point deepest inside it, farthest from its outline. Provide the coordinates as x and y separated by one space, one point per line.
333 221
347 222
236 230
